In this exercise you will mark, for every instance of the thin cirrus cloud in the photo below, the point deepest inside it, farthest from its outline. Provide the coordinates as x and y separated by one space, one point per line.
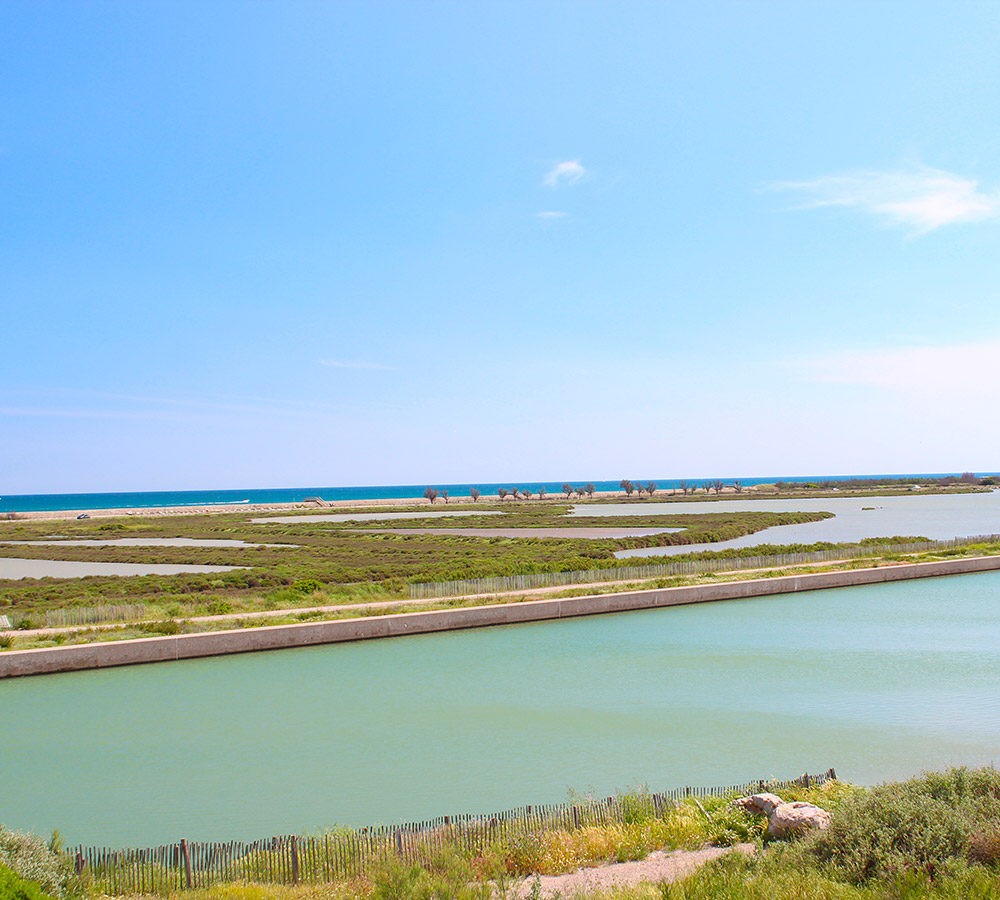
551 215
568 172
920 199
958 370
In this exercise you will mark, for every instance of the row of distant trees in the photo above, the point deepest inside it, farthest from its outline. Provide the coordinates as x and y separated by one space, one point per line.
717 486
588 490
514 493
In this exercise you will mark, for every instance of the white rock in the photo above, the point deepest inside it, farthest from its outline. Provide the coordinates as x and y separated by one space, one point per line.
796 818
759 804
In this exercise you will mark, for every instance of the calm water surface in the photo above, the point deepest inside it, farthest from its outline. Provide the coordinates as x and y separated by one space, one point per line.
15 569
936 516
878 681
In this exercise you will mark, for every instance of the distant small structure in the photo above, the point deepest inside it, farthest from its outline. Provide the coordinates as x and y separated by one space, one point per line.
319 501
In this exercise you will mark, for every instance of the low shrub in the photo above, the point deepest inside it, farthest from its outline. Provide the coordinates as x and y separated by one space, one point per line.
167 626
308 586
984 847
219 607
28 858
13 887
447 877
922 824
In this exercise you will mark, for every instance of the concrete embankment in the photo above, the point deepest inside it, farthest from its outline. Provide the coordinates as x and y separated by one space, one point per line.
275 637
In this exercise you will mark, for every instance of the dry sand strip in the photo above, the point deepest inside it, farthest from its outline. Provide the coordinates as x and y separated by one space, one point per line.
201 510
656 868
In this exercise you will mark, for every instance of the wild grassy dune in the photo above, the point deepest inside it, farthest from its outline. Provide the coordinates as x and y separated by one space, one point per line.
936 836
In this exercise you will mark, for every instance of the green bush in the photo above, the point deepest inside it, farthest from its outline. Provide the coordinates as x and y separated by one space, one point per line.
923 824
167 626
308 586
27 856
779 873
446 878
13 887
984 847
219 607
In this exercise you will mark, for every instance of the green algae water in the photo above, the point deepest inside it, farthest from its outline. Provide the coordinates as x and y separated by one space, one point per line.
878 681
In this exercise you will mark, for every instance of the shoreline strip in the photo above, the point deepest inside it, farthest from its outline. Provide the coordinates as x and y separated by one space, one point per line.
79 657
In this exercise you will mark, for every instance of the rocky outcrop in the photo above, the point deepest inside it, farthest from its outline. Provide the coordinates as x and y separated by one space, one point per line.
785 819
759 804
797 818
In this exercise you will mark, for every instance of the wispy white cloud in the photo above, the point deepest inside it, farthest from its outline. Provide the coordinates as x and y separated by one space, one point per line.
956 370
569 172
548 215
920 198
345 364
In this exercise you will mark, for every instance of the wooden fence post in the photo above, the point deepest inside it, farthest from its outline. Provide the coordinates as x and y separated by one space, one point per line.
186 859
295 860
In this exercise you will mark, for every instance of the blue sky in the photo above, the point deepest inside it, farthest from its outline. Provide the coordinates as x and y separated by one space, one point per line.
277 244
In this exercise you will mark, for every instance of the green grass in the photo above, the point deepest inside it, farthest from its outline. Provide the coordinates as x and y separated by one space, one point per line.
916 840
13 887
343 562
170 614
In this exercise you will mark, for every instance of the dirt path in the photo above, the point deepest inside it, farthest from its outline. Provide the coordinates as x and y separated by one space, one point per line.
657 867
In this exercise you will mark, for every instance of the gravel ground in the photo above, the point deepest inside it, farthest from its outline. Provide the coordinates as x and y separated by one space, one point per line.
658 866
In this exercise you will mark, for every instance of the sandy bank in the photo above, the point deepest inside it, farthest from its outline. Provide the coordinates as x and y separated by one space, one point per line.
157 511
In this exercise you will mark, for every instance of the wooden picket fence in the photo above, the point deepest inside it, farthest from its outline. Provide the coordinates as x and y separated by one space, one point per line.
347 853
530 581
82 615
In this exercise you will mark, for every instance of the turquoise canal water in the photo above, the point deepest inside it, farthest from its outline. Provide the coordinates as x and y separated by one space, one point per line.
878 681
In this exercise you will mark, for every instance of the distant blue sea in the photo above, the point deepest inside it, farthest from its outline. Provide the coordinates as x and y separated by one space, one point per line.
53 502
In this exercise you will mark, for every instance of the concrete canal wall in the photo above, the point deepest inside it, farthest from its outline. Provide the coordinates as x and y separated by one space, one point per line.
274 637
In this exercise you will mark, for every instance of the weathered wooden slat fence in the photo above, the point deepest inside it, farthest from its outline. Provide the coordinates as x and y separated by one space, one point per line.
346 853
83 615
501 583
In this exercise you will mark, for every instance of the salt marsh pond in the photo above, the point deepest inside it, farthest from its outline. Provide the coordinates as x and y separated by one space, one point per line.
936 516
16 569
878 681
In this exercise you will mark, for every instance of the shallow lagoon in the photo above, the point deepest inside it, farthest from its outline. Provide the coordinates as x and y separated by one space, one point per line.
936 516
16 569
878 681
